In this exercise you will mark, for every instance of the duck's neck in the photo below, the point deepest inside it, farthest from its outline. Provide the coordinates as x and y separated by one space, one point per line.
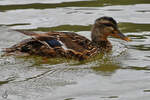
100 40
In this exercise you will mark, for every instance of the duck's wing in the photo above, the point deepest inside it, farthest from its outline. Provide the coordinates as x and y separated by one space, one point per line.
75 43
36 45
68 40
29 46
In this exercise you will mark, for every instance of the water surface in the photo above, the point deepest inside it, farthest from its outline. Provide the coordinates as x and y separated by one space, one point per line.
122 75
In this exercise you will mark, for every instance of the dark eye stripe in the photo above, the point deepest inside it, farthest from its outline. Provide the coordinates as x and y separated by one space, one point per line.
113 32
108 24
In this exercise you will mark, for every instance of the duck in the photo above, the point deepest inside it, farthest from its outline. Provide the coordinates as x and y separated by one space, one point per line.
69 44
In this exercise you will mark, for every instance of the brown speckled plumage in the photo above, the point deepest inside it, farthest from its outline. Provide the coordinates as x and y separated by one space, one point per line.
67 44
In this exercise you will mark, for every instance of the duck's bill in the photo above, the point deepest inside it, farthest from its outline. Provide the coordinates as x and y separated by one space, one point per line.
123 37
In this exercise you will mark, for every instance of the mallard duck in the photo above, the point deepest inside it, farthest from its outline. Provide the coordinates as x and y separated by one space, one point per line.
69 44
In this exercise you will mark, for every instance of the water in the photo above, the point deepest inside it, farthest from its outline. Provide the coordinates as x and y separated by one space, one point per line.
122 75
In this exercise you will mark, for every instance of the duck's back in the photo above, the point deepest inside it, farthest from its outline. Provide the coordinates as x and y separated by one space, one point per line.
54 44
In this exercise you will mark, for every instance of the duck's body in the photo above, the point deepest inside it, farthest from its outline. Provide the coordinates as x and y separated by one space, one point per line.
70 45
55 44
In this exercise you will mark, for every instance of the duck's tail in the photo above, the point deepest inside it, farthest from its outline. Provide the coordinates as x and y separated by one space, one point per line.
29 33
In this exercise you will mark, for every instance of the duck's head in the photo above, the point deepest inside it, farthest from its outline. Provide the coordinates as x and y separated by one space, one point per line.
104 27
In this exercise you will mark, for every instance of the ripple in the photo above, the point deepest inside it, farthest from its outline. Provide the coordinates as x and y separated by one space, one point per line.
7 61
37 18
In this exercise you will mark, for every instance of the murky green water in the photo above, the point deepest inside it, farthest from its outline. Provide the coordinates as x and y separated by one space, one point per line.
122 75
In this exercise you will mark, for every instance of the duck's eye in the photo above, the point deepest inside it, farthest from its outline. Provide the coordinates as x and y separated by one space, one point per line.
108 24
113 32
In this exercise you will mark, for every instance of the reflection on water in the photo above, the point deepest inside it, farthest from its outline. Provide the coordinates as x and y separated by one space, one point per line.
70 18
38 4
121 75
